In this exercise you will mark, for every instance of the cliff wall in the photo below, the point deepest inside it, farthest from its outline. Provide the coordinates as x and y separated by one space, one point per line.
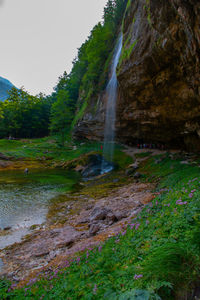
159 77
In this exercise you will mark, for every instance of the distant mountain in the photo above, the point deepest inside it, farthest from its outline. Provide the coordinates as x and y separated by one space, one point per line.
5 87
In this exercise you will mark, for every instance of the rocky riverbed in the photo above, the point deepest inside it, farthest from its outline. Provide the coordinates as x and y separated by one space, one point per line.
93 222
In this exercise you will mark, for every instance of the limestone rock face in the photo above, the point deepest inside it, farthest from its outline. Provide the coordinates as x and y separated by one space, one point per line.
159 73
159 77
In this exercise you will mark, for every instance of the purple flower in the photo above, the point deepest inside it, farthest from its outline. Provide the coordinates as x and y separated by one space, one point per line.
136 226
78 260
178 201
190 195
136 277
132 225
95 289
100 247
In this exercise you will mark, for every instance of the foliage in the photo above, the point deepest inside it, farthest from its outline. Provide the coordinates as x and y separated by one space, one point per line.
62 112
23 115
126 52
155 257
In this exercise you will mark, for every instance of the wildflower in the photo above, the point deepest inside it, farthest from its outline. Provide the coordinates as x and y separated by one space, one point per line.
178 201
132 225
136 277
95 289
147 221
136 226
190 195
100 247
78 260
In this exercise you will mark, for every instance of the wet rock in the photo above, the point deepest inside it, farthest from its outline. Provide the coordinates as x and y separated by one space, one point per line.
110 218
121 215
99 213
94 228
96 166
79 168
68 242
89 206
7 228
41 253
137 175
4 157
4 164
134 166
83 221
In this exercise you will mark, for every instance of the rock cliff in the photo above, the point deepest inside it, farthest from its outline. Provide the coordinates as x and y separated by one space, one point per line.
5 87
159 77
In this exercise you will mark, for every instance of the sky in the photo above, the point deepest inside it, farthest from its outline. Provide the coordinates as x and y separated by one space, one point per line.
39 39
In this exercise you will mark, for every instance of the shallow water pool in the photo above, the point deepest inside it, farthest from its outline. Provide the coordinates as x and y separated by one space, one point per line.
25 198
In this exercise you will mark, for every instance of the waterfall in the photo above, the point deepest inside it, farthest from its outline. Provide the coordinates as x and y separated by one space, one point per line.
111 94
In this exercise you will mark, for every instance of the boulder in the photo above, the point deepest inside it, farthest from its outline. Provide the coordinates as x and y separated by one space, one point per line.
94 228
99 213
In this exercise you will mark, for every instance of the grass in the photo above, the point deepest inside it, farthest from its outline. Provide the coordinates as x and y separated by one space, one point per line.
46 148
143 154
155 256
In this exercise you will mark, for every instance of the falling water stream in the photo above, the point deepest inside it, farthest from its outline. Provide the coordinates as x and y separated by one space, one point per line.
111 93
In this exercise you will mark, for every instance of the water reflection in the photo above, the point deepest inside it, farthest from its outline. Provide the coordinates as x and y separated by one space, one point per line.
24 199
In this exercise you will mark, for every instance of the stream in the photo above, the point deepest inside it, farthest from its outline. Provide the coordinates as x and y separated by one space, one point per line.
25 198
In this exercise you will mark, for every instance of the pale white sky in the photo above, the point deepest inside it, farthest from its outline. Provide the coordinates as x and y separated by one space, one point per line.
39 39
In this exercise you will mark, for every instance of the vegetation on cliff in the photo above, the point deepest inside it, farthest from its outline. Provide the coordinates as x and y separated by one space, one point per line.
89 72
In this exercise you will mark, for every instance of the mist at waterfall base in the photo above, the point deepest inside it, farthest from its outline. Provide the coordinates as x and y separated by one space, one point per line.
109 130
